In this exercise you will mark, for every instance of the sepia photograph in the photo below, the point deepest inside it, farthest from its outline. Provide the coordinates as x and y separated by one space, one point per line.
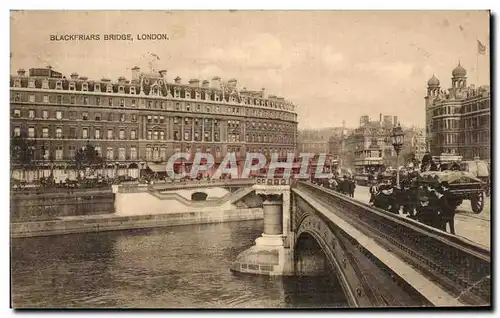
239 159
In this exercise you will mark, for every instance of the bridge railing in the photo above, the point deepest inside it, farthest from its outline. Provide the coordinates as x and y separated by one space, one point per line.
461 267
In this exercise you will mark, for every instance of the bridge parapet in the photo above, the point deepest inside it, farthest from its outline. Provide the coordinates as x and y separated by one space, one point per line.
459 269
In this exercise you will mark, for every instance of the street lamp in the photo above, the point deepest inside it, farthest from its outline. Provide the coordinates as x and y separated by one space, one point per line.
398 138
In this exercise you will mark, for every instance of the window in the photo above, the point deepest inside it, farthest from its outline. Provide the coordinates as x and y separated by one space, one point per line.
85 116
176 120
162 105
46 98
155 119
163 153
45 114
132 134
45 84
17 113
17 131
186 135
72 86
59 85
122 102
149 153
134 117
162 135
58 132
109 153
110 133
132 102
97 134
177 106
155 135
109 88
121 153
72 99
122 117
122 134
150 104
98 101
133 153
98 150
150 134
188 107
31 114
85 87
59 115
85 100
85 133
98 116
59 153
110 117
97 87
132 90
162 119
216 137
31 132
32 98
45 133
110 102
150 118
121 89
207 138
72 132
176 135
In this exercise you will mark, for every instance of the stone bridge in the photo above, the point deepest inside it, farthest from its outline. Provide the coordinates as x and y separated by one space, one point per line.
379 259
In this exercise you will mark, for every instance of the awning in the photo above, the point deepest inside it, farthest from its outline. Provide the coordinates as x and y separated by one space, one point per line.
157 167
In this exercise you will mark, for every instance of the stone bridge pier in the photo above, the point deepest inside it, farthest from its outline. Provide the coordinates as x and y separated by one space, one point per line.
272 253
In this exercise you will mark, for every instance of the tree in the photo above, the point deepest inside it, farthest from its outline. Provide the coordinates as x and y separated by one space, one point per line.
87 157
22 152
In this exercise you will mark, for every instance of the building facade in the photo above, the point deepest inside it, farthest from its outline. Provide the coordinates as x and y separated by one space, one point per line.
458 120
143 121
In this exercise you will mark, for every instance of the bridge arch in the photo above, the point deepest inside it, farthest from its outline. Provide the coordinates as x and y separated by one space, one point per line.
316 242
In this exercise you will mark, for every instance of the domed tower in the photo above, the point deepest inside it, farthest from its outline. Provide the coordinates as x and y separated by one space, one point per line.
459 77
433 86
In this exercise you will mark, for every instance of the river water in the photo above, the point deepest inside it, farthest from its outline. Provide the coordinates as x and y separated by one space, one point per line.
175 267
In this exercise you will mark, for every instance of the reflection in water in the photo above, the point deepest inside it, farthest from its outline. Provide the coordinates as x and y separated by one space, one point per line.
184 266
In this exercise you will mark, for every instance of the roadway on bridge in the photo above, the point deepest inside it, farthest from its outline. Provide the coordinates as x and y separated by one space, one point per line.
474 227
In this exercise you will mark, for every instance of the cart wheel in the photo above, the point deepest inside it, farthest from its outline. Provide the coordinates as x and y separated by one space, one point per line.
477 203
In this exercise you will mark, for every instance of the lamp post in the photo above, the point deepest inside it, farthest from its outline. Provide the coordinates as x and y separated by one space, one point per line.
398 137
142 168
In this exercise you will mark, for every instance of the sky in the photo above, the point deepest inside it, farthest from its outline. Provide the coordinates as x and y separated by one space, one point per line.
334 65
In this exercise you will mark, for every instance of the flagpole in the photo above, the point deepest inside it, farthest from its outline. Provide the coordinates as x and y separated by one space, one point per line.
477 65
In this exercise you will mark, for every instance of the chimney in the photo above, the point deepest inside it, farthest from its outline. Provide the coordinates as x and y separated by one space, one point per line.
163 73
380 120
232 83
49 67
177 80
205 84
122 79
263 93
83 78
395 120
74 76
194 82
136 70
216 82
21 72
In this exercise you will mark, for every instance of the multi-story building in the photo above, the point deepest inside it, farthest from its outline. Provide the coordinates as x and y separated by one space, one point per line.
458 119
141 122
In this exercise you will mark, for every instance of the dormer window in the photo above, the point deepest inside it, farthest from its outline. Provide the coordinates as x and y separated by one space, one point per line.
85 87
188 107
17 82
121 89
72 86
109 88
31 83
97 87
207 96
45 84
216 97
188 94
58 85
132 90
177 93
198 96
156 91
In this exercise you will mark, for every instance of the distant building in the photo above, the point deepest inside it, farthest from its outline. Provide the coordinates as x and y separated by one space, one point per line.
458 120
